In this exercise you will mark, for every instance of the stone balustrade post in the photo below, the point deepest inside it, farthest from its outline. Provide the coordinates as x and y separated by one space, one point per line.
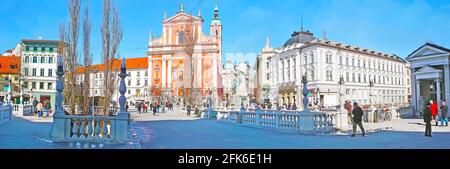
123 117
60 126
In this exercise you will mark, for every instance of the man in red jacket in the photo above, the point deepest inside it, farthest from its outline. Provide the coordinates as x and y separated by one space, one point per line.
434 111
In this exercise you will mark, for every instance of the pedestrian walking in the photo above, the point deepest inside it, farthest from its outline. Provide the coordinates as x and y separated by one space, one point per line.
154 109
434 111
349 108
357 119
47 108
39 109
427 117
35 103
139 107
444 110
188 110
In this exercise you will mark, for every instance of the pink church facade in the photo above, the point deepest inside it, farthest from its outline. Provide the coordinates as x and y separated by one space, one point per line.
183 49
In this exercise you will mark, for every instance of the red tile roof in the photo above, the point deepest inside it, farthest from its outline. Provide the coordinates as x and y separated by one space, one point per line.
131 63
9 65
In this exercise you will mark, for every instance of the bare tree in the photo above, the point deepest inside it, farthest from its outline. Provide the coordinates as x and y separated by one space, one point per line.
69 52
192 93
111 37
87 59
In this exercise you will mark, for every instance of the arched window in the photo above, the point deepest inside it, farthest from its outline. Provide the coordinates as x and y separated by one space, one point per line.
181 38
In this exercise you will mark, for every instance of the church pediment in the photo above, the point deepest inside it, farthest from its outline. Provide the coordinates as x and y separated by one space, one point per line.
427 69
180 17
428 50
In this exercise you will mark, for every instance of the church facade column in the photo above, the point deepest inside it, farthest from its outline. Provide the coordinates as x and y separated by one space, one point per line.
169 73
150 76
438 93
163 73
447 83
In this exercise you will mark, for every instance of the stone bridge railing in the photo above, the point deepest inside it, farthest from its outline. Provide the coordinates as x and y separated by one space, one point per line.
5 112
90 128
287 120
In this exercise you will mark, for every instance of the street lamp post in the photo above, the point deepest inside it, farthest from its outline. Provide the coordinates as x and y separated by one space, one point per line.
370 93
341 83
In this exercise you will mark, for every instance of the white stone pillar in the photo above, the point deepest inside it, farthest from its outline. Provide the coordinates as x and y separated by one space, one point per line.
199 71
447 83
163 73
169 74
417 92
164 35
415 103
170 34
438 93
150 77
214 71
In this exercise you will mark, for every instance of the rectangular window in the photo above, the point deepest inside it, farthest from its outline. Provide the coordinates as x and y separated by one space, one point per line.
41 85
27 59
329 75
129 74
268 76
353 77
26 71
50 59
129 82
340 60
50 86
146 82
42 59
138 82
34 72
129 92
146 73
50 72
50 49
35 49
359 78
42 72
34 59
347 76
27 49
365 80
43 49
33 85
353 62
346 61
138 74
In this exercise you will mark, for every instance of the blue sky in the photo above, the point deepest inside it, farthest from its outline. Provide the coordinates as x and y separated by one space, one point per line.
391 26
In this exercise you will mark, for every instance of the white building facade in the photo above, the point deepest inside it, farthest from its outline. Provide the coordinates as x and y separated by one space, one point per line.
324 63
38 68
430 75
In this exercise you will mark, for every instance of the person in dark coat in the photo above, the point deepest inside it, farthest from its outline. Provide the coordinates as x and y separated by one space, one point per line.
444 110
427 119
357 119
139 106
188 110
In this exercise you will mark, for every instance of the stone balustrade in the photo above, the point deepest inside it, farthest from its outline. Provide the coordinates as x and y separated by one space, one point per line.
5 113
91 128
22 110
286 120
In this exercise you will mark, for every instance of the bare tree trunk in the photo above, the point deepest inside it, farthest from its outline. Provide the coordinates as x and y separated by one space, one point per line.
69 51
111 37
87 59
191 93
